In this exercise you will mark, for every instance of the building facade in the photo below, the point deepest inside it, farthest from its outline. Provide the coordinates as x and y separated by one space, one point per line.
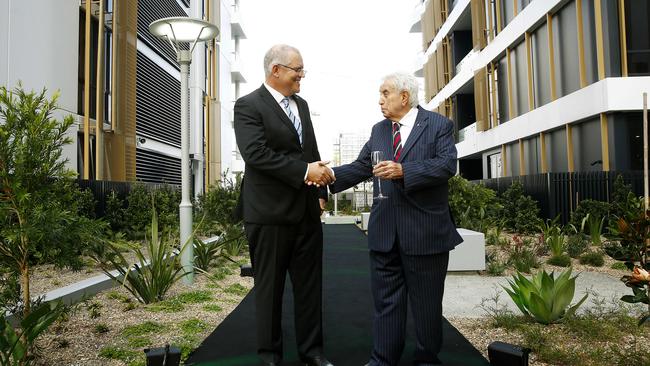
538 86
122 84
345 151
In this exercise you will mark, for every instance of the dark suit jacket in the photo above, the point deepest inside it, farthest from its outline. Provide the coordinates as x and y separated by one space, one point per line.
273 189
417 207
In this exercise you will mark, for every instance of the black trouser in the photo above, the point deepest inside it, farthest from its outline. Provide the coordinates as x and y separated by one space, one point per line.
276 250
395 279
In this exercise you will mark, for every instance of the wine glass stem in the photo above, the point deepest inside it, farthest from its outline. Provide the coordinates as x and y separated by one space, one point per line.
379 186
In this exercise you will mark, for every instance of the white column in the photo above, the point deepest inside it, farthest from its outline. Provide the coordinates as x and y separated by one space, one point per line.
185 208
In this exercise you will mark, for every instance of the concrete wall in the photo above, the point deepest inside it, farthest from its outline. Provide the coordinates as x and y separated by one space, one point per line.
39 43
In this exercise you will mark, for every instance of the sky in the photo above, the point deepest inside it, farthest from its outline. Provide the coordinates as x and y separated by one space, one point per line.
347 46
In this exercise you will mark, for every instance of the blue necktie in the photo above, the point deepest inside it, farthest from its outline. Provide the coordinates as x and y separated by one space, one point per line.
294 119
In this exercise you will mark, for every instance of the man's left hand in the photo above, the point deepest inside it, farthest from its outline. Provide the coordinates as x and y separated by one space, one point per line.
388 170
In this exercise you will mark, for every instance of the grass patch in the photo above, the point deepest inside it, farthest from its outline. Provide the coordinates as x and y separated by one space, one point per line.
619 265
195 297
594 259
166 306
139 342
215 308
101 328
559 260
177 304
114 295
142 329
220 273
192 326
236 289
131 358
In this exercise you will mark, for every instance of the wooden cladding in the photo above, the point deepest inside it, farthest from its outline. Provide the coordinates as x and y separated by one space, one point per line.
121 146
479 36
437 69
434 16
481 99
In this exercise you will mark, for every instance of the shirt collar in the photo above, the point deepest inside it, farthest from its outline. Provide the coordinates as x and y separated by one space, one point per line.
409 118
274 93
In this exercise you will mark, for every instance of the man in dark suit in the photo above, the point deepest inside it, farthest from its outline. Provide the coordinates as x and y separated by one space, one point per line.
411 232
281 213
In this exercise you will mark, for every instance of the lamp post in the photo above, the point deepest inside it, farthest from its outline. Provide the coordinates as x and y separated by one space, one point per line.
179 30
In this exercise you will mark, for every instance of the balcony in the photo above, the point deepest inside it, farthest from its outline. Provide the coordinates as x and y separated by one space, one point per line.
236 25
416 18
467 133
236 72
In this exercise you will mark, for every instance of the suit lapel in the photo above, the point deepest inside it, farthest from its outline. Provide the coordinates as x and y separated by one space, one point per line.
268 99
421 123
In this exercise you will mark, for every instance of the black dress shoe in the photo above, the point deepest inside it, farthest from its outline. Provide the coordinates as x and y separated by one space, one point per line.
316 361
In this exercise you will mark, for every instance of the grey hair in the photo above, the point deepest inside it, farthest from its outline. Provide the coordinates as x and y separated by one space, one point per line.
278 54
405 82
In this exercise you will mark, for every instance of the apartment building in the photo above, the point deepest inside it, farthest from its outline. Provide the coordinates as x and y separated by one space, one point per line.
122 84
536 86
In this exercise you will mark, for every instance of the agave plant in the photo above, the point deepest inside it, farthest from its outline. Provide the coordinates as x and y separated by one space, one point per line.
555 240
545 298
157 269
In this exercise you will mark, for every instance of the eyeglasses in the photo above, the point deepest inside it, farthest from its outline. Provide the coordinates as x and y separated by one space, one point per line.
298 70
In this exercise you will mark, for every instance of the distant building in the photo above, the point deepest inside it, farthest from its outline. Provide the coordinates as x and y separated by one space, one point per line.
346 150
538 86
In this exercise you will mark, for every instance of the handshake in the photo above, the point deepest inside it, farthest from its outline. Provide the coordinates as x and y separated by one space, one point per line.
319 174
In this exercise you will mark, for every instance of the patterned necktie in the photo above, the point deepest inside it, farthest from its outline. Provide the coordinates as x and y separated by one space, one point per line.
397 141
294 119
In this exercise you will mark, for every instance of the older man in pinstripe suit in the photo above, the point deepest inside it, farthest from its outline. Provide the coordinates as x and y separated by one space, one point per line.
411 232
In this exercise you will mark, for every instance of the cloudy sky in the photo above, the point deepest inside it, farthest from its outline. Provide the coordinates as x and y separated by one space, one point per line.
346 45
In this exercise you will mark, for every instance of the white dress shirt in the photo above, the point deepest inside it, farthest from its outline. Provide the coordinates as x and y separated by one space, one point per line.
292 105
407 123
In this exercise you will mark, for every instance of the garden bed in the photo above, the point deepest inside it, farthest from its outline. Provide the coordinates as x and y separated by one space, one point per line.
112 328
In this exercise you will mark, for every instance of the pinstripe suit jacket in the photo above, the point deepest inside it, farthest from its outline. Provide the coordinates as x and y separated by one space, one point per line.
417 208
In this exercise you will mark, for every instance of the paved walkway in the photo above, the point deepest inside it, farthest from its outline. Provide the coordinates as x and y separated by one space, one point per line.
463 292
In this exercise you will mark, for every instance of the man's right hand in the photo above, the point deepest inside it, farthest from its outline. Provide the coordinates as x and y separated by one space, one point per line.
319 174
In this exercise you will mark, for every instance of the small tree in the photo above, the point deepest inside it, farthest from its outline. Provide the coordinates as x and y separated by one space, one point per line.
36 189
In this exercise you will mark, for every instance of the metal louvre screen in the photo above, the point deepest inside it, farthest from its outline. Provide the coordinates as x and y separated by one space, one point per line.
150 10
153 167
158 110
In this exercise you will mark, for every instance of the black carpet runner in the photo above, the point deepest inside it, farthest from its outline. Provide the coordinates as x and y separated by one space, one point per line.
347 316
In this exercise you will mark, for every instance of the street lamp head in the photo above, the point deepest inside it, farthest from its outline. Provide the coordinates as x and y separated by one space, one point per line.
183 29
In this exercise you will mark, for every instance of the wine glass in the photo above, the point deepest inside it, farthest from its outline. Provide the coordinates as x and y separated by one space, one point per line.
377 157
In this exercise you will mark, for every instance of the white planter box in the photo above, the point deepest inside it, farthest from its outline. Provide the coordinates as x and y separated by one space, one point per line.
470 254
365 216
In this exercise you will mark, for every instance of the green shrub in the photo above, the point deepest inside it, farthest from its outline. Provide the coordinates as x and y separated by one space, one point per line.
218 203
544 298
40 217
561 260
494 266
594 259
520 211
618 265
522 256
625 204
595 209
115 212
576 245
16 343
473 206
